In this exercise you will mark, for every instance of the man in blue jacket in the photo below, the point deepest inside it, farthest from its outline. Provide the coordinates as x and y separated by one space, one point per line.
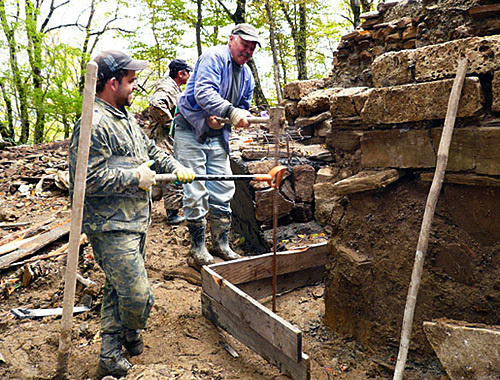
221 86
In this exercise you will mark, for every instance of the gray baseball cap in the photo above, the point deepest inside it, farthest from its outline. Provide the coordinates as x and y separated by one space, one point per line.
110 61
247 32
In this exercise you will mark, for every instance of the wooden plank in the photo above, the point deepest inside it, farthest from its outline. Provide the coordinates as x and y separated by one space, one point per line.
34 245
259 267
229 321
263 288
279 333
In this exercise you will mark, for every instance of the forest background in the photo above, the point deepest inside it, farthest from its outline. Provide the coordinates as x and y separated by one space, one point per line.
46 44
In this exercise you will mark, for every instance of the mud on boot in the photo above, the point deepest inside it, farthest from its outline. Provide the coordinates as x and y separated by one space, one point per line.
198 253
111 360
173 217
132 342
220 226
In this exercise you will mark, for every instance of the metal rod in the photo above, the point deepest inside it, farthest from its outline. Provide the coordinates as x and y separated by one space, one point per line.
251 120
217 177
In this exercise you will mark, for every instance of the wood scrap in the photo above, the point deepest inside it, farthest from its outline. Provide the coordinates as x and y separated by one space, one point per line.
34 245
184 273
24 234
13 225
61 251
13 245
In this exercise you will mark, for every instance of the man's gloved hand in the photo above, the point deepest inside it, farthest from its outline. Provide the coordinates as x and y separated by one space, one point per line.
146 176
238 117
184 175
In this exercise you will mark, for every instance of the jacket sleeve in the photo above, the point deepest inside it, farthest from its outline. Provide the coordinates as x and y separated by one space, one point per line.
104 174
208 84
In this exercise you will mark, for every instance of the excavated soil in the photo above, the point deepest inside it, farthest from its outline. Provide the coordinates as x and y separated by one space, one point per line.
179 342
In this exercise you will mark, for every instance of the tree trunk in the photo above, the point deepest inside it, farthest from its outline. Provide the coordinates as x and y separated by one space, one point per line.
302 43
199 20
19 81
7 129
272 39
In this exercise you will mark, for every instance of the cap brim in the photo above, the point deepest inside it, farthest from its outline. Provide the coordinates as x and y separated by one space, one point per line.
136 65
249 38
189 68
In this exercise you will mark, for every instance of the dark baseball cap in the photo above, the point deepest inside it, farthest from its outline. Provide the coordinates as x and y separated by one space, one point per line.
110 61
247 32
178 65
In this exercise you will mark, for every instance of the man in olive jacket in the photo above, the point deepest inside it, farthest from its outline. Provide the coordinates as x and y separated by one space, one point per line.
117 210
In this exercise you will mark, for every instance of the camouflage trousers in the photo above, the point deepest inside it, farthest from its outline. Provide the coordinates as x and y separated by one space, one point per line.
128 297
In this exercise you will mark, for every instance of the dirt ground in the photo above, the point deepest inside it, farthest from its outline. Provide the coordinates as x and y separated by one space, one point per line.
179 342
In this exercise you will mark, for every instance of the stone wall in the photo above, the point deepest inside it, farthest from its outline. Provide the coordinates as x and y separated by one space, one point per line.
381 112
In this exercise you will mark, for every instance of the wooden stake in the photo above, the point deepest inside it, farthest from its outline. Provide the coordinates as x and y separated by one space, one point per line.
430 207
76 220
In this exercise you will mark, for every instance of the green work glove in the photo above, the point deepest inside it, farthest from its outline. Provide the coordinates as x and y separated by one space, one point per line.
184 175
146 175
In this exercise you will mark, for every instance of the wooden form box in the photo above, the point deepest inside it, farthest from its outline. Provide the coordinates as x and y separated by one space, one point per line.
230 291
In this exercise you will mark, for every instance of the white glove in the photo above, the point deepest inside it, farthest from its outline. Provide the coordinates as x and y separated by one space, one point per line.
146 176
237 115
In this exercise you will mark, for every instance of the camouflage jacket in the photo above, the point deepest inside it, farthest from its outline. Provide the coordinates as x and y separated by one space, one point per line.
161 110
113 200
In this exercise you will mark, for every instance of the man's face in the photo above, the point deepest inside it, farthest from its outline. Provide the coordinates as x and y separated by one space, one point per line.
183 76
241 50
123 94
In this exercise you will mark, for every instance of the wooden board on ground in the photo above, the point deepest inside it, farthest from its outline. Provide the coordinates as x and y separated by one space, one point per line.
33 245
226 304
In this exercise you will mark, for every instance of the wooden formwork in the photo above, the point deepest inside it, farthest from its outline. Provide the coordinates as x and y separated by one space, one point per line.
230 291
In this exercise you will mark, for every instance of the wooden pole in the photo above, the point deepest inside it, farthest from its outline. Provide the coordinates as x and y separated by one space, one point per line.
430 207
76 220
276 115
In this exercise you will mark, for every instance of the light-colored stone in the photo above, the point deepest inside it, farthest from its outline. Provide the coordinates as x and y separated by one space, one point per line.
366 181
421 101
317 101
327 207
467 351
326 174
348 102
298 89
495 92
323 128
303 181
437 61
393 68
473 150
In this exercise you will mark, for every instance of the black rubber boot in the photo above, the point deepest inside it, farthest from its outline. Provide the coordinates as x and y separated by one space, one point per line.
173 217
220 226
132 342
111 361
198 254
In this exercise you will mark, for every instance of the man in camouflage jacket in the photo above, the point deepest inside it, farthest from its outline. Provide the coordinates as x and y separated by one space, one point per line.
117 210
158 118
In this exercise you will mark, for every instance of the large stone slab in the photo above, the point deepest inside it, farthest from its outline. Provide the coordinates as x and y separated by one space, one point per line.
397 148
417 102
348 102
473 150
317 101
437 61
298 89
467 351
